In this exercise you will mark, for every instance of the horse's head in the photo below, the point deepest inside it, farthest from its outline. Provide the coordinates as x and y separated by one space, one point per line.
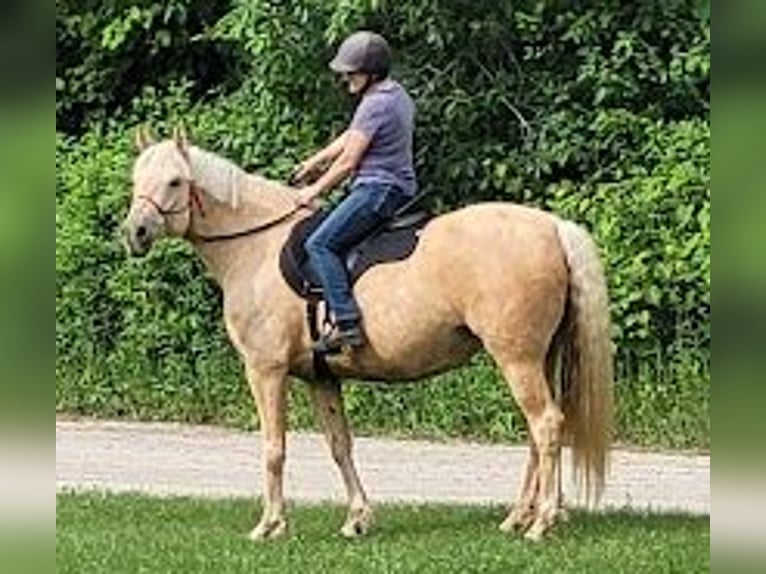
162 192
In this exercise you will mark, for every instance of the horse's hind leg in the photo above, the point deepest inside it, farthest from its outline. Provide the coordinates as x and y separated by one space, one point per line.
328 402
523 511
544 418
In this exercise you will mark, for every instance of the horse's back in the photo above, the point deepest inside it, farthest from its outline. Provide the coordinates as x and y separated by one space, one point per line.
482 240
510 220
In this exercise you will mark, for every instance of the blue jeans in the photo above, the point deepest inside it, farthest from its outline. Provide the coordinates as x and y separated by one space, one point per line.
365 208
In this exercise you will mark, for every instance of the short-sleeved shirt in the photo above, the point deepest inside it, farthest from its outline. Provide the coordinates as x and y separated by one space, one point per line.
386 114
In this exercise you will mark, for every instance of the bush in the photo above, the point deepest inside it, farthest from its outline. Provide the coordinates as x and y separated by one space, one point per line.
599 112
108 52
653 223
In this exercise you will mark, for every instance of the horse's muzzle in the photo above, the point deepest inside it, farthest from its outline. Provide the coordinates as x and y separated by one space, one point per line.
136 239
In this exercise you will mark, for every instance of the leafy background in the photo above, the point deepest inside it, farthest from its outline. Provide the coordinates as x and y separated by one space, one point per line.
599 111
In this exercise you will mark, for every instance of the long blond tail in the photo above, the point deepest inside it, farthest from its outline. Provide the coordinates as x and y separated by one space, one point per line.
586 362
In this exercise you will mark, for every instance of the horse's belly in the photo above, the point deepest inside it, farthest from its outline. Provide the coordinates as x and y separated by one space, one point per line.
411 357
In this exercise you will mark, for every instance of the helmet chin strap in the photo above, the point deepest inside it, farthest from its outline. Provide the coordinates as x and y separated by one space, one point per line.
371 79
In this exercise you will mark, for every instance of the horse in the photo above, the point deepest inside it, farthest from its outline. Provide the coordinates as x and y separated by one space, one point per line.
523 284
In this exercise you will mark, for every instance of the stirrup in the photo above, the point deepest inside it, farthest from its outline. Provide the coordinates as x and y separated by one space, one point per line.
334 341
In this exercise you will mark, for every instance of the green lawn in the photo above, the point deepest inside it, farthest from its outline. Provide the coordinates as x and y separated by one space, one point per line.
130 533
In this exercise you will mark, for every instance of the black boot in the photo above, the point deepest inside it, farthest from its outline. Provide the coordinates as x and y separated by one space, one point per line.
344 334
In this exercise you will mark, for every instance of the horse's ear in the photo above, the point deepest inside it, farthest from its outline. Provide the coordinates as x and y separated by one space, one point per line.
182 141
143 137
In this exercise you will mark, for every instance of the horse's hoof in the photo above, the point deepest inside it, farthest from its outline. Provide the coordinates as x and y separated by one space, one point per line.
517 520
535 532
539 527
269 530
358 523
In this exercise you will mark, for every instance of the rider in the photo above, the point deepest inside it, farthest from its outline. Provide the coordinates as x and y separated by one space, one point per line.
376 151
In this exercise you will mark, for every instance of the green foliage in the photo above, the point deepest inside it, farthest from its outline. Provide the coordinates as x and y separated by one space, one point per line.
675 412
598 111
107 52
653 221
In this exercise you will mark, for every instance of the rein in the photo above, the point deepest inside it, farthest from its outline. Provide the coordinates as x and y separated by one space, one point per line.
245 232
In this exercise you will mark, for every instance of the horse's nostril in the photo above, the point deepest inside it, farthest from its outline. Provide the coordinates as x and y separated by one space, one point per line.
141 232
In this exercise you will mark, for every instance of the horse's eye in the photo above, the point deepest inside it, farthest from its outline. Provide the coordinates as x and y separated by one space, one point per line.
175 182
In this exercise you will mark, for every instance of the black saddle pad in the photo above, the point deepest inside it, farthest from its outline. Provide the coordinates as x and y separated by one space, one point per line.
394 241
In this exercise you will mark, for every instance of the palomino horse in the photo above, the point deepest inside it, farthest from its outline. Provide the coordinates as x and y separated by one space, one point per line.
522 283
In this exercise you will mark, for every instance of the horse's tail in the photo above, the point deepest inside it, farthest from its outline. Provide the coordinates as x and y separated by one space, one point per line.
586 361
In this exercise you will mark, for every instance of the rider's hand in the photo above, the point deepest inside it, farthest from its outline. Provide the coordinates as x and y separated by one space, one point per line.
308 197
301 173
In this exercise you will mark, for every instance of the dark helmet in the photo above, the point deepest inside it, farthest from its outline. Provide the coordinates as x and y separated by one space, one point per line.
363 51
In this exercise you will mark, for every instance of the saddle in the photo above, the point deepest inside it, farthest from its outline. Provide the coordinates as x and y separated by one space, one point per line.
394 240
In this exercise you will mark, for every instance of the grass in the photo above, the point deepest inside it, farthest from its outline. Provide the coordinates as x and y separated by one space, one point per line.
132 534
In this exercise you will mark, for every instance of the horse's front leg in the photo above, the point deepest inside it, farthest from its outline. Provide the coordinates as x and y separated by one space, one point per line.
269 389
328 402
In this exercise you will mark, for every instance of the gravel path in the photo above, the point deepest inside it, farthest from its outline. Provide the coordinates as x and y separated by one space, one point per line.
160 458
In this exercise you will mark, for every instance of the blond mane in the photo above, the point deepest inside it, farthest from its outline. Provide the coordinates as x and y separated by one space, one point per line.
228 183
221 178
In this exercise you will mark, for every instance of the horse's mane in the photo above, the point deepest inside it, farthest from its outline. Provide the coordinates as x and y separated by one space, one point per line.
218 176
226 181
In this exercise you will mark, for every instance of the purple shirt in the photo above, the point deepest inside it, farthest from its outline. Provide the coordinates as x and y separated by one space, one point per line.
386 115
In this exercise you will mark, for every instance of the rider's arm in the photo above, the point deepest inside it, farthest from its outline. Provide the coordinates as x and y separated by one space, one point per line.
327 153
354 147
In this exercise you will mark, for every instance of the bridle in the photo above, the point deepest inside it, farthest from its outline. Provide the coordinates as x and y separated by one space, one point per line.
195 201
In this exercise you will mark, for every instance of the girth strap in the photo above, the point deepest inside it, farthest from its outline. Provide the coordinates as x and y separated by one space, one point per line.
319 363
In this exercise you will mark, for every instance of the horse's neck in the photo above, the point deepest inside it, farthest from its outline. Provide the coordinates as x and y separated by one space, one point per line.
252 256
234 201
